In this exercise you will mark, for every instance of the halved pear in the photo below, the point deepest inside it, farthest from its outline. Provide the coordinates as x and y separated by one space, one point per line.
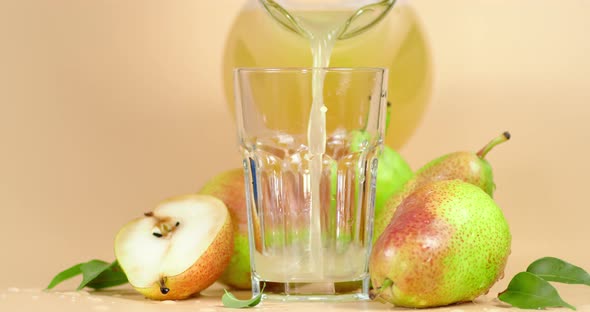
178 249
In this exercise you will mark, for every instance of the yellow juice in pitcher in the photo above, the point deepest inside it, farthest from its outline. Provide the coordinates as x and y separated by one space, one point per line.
396 43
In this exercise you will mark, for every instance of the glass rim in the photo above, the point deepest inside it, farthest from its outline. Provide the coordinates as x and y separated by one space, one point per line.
309 69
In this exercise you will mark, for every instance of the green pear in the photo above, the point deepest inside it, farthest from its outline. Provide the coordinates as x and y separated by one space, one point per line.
448 242
393 172
229 188
466 166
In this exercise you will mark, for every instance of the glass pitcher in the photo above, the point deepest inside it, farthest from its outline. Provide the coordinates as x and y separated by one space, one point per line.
375 34
358 15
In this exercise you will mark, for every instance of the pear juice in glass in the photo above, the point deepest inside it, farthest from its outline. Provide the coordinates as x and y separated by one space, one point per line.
310 177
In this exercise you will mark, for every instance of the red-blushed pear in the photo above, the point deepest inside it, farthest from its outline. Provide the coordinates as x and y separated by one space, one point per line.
228 186
448 242
466 166
178 249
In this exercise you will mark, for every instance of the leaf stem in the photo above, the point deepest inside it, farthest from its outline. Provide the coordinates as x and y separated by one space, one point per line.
374 294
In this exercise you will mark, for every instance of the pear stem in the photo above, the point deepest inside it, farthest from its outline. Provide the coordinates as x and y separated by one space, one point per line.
500 139
377 292
388 116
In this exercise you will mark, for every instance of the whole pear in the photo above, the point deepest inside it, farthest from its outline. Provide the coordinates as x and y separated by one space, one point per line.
466 166
393 171
229 188
448 242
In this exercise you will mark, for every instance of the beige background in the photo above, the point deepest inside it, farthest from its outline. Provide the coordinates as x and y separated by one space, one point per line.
107 107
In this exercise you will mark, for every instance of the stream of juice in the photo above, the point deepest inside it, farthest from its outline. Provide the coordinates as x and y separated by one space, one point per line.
322 30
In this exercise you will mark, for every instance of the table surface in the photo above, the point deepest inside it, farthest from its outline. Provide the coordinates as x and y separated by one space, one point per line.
126 299
64 297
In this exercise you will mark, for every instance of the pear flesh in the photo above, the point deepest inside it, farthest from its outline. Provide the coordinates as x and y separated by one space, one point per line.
177 250
448 242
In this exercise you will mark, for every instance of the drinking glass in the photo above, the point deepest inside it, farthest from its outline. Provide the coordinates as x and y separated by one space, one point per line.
310 175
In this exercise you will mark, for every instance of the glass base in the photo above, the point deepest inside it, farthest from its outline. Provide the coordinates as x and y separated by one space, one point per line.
315 291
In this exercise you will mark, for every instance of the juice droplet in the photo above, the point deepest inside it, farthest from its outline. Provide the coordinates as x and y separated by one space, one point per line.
95 299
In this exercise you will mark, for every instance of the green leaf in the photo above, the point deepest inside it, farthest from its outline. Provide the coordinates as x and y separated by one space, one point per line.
91 270
95 274
528 291
112 276
557 270
65 275
230 301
